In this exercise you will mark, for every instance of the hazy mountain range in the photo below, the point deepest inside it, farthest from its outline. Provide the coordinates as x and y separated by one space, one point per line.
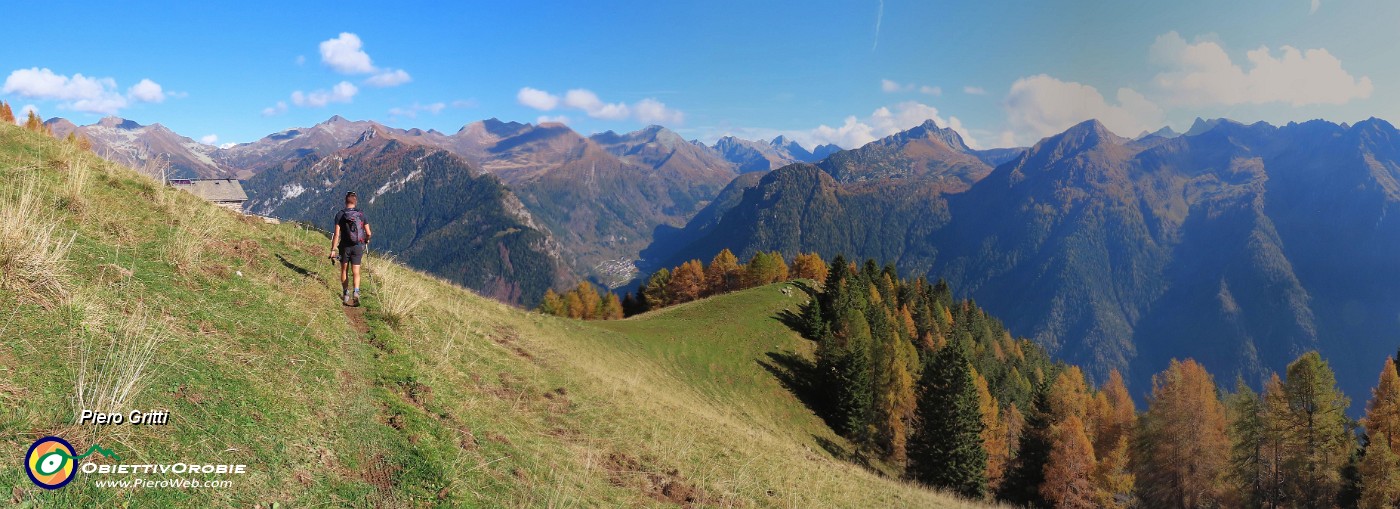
1239 245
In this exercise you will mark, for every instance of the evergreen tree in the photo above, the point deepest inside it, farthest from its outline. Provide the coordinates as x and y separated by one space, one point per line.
946 450
657 292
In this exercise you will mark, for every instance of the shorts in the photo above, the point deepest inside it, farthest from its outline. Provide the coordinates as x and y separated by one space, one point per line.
352 254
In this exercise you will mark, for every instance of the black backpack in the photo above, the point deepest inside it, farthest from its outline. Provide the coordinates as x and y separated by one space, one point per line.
355 225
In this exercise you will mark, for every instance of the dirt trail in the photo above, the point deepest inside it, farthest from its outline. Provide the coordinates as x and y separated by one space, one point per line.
356 316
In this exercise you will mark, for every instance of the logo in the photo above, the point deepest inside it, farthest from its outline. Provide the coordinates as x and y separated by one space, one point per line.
52 462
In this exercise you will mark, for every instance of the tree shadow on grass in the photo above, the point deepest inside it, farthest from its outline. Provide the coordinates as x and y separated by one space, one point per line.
799 376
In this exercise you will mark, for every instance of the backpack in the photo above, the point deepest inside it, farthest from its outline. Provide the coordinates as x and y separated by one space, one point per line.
355 226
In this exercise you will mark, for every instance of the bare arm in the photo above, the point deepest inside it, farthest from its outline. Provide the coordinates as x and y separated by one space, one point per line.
335 239
368 234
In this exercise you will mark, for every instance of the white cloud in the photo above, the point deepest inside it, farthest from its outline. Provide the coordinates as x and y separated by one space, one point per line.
647 111
342 92
209 139
1312 7
301 60
971 90
276 109
81 93
228 145
589 102
556 119
1040 105
389 78
23 113
1202 73
146 91
885 121
652 111
891 87
344 54
537 99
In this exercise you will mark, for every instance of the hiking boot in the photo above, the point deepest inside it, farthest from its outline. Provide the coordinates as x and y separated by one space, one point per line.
345 298
356 299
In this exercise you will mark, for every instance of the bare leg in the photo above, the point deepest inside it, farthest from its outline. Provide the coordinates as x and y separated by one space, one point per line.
345 281
356 268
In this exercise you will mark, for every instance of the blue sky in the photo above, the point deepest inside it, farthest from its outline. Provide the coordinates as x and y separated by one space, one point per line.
1003 73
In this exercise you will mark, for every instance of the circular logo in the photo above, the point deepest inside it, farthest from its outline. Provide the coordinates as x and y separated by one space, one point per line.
50 463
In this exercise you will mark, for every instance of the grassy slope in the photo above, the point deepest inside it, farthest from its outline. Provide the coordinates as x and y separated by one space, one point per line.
464 403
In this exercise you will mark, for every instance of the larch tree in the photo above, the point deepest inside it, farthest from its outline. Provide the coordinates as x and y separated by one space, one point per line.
552 304
995 438
946 450
7 115
1380 475
1070 467
589 301
1181 446
34 123
1247 473
1317 425
809 266
610 308
724 274
687 282
1383 411
1113 418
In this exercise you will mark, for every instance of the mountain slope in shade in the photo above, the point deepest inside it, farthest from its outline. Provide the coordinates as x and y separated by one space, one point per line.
1241 245
429 208
133 144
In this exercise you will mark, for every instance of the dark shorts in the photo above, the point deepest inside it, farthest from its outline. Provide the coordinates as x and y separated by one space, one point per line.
352 254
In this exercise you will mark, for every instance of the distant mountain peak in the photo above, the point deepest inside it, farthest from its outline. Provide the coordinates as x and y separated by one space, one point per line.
116 122
1201 126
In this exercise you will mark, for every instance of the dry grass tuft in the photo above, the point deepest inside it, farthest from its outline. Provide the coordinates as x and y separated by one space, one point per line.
112 363
400 294
194 234
32 252
77 175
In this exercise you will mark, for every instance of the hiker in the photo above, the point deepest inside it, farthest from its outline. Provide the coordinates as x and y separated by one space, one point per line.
348 242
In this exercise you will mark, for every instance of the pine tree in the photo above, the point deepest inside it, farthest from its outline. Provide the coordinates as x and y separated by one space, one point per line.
1068 472
1182 442
1380 474
657 292
946 449
1321 443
